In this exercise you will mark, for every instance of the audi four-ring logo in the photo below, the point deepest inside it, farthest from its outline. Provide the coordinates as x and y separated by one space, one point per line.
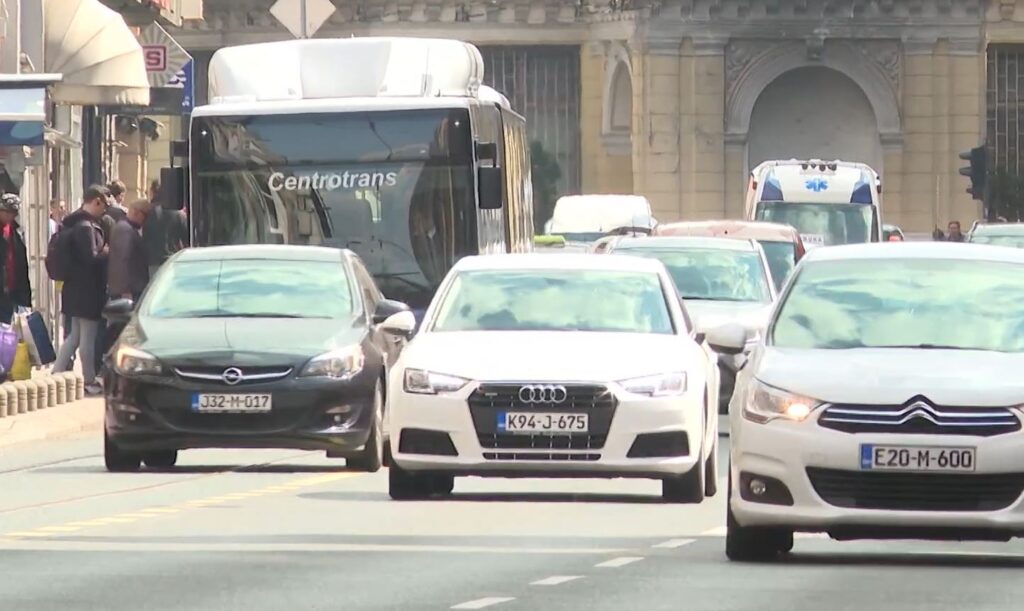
543 393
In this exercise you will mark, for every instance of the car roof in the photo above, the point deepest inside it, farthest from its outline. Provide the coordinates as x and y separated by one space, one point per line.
684 242
998 229
557 261
277 252
757 230
917 250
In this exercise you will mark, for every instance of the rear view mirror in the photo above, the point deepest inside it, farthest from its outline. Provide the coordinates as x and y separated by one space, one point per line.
402 324
727 339
491 189
173 188
119 310
386 309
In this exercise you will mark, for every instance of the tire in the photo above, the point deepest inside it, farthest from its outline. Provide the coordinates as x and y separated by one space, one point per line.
687 489
116 460
407 486
371 457
442 485
711 472
753 543
161 460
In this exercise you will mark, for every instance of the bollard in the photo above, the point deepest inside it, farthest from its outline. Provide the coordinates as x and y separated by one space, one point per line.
74 392
3 404
51 391
12 397
61 385
31 395
22 390
79 387
42 394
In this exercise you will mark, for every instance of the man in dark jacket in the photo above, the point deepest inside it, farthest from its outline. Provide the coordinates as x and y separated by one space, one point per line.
85 289
165 231
127 264
17 290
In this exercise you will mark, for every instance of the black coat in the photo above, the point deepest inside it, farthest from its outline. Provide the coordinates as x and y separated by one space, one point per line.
128 267
85 290
22 293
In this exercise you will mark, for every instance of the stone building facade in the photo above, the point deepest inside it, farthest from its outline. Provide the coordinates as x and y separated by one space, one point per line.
678 99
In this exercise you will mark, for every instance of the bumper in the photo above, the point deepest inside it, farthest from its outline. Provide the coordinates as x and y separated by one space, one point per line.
786 451
465 431
145 414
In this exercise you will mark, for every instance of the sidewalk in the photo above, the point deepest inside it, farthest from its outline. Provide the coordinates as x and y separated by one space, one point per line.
65 420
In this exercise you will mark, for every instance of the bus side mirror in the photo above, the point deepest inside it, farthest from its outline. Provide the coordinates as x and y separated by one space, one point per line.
174 188
492 188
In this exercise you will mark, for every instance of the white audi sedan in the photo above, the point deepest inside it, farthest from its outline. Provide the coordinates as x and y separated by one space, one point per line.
885 400
545 365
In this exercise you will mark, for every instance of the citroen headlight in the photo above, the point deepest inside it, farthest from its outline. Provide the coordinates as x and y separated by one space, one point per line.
765 403
420 382
661 385
132 362
341 364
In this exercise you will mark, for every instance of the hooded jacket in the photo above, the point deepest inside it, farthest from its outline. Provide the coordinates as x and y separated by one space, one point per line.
85 290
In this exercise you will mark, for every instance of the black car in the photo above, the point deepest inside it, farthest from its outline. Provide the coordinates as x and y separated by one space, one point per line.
252 347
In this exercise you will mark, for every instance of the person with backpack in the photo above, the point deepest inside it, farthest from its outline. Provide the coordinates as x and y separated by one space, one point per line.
16 290
77 256
165 231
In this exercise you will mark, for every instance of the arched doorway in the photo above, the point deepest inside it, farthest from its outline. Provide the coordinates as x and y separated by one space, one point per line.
814 112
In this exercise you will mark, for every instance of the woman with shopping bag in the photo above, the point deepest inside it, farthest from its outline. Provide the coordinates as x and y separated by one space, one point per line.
15 290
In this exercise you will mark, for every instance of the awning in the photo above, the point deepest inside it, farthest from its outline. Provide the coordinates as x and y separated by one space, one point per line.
98 55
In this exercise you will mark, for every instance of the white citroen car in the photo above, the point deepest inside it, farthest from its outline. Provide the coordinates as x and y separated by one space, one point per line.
884 401
554 366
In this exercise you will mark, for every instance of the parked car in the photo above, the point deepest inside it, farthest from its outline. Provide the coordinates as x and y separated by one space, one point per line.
781 243
720 280
252 347
998 234
621 387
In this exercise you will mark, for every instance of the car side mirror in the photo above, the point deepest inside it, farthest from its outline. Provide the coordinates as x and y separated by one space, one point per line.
699 337
119 310
402 324
491 188
728 339
388 308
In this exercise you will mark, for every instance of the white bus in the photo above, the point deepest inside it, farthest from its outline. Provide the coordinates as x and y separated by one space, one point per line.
828 202
388 146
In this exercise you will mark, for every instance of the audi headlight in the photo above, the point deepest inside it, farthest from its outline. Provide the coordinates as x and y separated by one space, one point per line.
766 403
420 382
661 385
130 361
341 364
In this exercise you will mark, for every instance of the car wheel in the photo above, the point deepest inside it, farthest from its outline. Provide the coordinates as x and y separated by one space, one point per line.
406 486
442 485
711 472
753 543
371 458
116 460
687 488
161 460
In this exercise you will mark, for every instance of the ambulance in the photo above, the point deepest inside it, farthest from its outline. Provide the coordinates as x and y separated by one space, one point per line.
828 202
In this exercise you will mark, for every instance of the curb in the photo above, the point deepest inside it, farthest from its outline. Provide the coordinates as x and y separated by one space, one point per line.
47 407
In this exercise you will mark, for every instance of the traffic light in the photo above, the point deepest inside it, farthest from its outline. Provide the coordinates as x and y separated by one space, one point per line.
977 171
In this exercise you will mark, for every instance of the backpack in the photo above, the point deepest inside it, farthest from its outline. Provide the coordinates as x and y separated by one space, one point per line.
57 255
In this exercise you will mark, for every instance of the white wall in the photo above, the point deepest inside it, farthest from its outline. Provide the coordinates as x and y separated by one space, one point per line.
814 113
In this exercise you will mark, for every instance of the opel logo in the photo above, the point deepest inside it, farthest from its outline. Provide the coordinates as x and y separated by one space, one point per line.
543 393
232 376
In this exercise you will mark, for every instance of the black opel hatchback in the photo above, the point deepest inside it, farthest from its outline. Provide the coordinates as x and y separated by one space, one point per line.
252 347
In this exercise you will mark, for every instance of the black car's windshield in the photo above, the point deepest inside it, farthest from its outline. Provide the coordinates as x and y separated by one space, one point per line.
711 274
924 303
823 224
250 288
555 300
395 187
781 260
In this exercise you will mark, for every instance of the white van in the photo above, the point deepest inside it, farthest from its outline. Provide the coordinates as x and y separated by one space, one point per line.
587 218
828 202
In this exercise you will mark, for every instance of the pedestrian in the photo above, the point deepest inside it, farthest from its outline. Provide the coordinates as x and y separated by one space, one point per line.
84 292
114 213
938 236
127 267
954 234
17 290
57 212
165 231
117 210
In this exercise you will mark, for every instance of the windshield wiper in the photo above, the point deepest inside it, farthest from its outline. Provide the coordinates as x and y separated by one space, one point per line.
246 315
402 277
923 347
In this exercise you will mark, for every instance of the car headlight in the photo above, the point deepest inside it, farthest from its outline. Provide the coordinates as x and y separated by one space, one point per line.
420 382
765 403
132 361
341 364
660 385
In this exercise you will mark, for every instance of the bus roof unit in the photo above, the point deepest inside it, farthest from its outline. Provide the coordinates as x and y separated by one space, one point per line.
368 67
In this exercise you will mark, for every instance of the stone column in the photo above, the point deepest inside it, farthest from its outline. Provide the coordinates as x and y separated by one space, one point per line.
656 126
708 180
592 58
964 95
920 180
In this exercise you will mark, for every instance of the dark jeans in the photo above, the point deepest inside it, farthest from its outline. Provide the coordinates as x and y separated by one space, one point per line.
6 309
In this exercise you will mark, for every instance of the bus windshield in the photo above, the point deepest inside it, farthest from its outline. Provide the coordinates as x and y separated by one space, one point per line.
824 224
393 186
